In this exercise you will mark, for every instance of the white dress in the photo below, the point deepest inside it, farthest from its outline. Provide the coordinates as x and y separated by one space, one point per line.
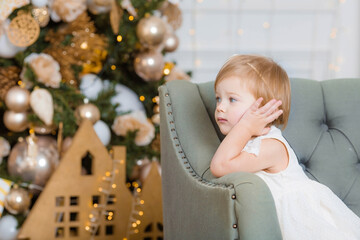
306 209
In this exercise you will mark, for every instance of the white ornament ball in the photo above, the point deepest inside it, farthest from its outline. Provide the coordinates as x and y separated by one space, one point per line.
96 8
39 3
7 49
103 132
8 225
91 85
127 99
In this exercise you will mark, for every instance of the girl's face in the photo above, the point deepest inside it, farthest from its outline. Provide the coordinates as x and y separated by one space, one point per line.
232 101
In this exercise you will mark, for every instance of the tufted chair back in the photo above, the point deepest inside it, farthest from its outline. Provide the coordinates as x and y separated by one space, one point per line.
323 130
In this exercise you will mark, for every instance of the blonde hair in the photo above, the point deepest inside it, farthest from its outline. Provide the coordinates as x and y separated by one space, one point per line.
263 78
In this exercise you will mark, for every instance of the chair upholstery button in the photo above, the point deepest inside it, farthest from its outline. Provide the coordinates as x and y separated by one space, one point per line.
166 94
235 225
233 196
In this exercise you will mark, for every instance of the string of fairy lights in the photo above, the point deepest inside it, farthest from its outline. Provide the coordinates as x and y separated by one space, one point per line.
106 192
331 59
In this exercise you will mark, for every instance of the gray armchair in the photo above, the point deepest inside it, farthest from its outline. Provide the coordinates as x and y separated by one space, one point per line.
322 130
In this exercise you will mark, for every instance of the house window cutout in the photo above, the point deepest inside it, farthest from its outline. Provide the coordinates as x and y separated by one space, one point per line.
109 215
74 231
74 217
86 164
59 232
96 199
59 217
59 201
74 201
153 231
111 199
109 230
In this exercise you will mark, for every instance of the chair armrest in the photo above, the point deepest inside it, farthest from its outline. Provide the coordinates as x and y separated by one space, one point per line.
254 206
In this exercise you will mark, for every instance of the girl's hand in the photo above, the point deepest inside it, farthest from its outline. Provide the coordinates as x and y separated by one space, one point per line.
255 119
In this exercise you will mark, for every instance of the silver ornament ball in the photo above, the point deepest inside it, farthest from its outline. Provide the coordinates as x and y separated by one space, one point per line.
151 31
87 111
149 65
39 168
15 121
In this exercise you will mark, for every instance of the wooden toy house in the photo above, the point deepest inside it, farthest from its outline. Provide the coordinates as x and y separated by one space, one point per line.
65 208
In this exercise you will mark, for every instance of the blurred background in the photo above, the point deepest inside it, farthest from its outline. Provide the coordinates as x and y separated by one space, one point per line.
310 39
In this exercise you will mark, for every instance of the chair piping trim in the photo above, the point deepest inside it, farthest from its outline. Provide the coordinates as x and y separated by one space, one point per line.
179 150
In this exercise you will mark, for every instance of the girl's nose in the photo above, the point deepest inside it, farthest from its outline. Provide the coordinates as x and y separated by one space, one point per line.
220 107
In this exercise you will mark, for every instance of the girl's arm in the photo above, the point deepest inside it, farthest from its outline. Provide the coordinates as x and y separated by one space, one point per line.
229 156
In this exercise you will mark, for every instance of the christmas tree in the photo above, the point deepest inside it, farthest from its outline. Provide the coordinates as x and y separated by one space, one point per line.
66 61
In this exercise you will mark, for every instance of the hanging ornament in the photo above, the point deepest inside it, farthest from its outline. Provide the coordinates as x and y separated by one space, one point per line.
15 121
103 132
115 16
127 100
149 65
23 30
172 13
91 85
8 227
18 99
41 103
7 49
34 159
87 111
171 42
17 201
41 15
4 151
151 31
8 6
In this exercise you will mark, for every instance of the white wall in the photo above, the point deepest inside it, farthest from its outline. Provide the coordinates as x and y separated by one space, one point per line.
317 39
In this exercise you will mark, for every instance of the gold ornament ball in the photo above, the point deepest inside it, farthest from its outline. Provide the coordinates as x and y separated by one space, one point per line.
87 111
36 169
18 99
17 201
149 65
151 31
15 121
171 42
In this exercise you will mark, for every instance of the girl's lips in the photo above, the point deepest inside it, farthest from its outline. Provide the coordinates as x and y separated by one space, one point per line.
221 120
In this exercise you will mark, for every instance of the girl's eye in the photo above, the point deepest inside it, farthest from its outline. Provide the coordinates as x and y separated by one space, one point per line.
218 99
232 100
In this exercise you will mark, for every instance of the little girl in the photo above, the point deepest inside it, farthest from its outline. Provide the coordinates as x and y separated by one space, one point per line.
306 209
